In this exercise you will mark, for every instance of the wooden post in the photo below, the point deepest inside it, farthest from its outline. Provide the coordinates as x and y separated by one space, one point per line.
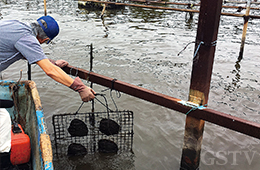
209 16
103 10
45 8
246 17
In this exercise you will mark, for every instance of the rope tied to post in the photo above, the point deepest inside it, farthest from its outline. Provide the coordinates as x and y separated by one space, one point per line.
185 47
118 94
193 106
201 107
213 43
197 49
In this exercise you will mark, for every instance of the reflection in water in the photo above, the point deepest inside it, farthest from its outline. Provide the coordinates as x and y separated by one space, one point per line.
124 161
101 12
189 21
147 15
231 87
104 25
142 49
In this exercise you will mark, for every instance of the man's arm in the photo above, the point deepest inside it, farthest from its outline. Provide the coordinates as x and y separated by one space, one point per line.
55 72
60 76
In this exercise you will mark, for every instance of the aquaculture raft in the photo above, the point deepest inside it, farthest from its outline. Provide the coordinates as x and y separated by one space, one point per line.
63 139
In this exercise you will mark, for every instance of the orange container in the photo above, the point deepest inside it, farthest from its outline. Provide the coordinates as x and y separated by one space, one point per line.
20 148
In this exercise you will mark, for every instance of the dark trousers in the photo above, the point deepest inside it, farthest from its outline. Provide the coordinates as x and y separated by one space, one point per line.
5 163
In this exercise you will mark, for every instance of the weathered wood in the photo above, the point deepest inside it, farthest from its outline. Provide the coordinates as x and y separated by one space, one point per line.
45 8
163 2
240 2
142 6
244 31
208 24
177 3
240 7
169 8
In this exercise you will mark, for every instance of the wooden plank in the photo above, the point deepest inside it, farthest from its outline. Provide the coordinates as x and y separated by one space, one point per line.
169 8
177 3
240 2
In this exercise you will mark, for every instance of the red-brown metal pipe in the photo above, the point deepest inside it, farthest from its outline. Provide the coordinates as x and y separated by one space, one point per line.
218 118
207 32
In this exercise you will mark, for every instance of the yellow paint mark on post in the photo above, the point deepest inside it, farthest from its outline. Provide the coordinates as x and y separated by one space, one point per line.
197 97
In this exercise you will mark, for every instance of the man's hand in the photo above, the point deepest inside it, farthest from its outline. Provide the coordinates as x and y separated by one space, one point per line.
61 63
87 94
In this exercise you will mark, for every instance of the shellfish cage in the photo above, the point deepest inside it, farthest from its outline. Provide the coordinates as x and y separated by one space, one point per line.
62 138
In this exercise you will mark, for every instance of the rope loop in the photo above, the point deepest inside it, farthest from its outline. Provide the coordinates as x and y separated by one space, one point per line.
193 106
213 43
88 75
185 47
198 49
75 69
201 107
118 94
112 86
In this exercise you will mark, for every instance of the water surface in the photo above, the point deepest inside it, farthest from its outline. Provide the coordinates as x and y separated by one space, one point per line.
140 46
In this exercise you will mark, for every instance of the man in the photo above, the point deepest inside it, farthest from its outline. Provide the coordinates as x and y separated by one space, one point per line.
21 41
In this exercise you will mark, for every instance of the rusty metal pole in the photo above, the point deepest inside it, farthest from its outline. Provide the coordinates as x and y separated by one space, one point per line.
222 119
209 16
246 17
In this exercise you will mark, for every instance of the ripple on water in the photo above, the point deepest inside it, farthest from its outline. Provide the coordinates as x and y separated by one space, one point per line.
141 48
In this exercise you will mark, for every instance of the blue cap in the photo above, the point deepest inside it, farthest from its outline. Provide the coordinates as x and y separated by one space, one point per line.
52 29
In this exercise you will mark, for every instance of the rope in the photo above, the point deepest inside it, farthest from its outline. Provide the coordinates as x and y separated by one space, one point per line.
105 105
75 69
118 94
113 98
213 43
195 108
185 47
112 86
79 107
88 75
198 49
15 95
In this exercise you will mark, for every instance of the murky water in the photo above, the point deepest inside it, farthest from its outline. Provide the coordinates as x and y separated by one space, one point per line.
140 46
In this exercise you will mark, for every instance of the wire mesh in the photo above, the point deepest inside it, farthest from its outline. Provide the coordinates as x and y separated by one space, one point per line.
123 139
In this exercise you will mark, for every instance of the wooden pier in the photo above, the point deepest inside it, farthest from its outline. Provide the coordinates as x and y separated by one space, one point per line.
164 7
